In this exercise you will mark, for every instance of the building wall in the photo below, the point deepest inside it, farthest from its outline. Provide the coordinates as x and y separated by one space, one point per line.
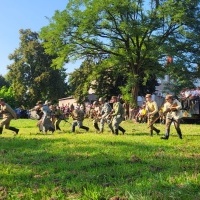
70 100
67 102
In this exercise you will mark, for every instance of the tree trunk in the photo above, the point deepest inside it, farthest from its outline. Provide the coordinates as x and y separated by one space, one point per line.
134 93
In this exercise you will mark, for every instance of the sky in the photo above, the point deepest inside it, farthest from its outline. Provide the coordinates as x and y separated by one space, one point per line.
24 14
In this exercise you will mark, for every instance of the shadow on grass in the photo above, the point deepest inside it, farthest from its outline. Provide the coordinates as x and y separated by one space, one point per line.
107 166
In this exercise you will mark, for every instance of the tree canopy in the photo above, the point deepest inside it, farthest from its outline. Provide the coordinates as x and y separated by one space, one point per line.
130 36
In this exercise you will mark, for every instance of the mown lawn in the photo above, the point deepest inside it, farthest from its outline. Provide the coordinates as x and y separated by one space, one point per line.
91 166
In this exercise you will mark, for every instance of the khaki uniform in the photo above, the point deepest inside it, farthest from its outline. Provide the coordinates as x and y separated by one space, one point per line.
118 114
78 117
152 114
8 114
173 116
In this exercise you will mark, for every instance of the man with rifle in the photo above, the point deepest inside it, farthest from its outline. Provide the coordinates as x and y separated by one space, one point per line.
172 110
152 113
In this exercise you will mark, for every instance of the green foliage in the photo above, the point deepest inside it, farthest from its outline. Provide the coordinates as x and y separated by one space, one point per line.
99 166
31 75
8 94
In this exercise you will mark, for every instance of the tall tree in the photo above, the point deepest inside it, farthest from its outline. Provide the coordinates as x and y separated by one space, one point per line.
31 74
128 33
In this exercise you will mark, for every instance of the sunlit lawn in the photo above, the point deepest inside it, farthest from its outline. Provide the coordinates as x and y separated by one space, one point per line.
87 165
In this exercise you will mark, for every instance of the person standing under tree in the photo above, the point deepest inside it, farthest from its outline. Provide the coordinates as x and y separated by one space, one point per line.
172 109
117 115
8 114
152 113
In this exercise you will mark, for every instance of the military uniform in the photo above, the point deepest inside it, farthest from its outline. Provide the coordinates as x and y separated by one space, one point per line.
105 115
152 113
46 119
8 114
78 117
172 108
95 115
117 116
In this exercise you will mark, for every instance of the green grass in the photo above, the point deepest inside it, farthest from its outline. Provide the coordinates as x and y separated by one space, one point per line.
90 166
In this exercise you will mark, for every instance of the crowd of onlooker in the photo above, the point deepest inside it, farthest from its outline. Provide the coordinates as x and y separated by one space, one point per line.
189 97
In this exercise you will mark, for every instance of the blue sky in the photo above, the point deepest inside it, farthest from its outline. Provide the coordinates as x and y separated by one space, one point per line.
23 14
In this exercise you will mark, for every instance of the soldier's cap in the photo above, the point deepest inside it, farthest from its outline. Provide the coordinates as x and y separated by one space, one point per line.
47 102
101 99
148 95
39 102
169 96
114 97
1 99
95 103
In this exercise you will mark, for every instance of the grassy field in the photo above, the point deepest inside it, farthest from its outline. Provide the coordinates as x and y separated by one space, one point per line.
91 166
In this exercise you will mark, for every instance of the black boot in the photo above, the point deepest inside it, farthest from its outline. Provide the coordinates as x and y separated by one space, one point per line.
151 133
16 130
1 130
52 129
111 128
57 127
156 130
85 127
122 130
96 126
179 134
166 136
116 131
73 128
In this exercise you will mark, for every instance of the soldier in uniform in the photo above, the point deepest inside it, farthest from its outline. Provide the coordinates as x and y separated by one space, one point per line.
95 115
105 114
152 113
117 115
172 109
46 118
78 117
39 113
8 114
59 116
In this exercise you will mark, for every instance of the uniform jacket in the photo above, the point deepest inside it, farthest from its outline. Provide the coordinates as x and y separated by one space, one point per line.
8 112
118 109
105 110
78 115
173 114
151 107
